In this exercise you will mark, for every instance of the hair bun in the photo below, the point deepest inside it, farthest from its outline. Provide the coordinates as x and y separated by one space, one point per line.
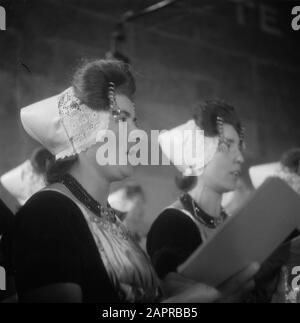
207 113
185 183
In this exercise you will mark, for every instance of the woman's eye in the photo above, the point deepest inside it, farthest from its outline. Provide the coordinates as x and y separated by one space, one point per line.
228 145
224 145
122 117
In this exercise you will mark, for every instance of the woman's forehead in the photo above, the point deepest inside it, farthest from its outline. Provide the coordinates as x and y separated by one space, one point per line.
230 132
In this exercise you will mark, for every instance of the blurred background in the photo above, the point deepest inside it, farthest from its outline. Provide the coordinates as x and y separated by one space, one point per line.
244 52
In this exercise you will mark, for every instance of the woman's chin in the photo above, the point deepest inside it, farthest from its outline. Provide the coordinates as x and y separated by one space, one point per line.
126 171
230 187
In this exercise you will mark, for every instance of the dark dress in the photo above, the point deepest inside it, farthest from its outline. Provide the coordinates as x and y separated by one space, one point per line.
58 239
53 244
172 238
176 233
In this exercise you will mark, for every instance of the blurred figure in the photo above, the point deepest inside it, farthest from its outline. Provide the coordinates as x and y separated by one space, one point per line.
288 169
129 202
28 178
259 173
288 255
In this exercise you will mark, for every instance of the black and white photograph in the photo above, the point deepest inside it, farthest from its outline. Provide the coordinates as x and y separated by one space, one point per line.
150 153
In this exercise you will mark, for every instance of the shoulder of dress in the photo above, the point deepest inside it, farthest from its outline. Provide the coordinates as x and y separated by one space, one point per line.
177 206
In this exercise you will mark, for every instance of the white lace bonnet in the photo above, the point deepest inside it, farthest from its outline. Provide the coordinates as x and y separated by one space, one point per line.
64 125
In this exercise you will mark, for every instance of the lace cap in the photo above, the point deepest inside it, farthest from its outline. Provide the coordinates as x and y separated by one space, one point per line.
187 147
63 124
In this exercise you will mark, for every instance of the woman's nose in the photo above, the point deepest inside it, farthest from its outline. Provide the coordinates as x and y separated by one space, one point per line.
240 157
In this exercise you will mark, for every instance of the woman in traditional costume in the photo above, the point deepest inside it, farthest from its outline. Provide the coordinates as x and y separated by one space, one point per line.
206 174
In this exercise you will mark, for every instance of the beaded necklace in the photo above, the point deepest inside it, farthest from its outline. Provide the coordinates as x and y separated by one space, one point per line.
211 222
85 198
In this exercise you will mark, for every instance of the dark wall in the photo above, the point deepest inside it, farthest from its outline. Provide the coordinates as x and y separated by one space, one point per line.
245 53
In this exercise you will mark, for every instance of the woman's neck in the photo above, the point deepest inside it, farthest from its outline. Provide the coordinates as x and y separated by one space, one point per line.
207 199
96 186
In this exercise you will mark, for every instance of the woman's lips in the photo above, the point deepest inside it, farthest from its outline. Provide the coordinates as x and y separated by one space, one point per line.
236 173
